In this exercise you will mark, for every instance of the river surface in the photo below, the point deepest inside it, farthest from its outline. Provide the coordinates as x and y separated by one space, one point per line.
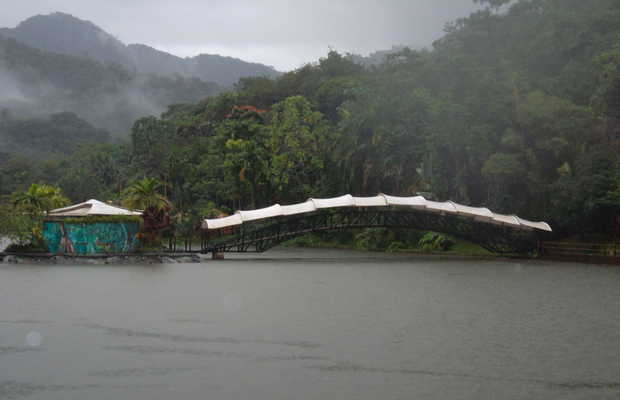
311 324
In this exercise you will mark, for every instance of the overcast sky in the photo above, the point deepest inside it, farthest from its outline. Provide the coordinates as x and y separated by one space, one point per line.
285 34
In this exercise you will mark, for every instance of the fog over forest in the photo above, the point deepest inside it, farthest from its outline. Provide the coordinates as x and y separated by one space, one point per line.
513 106
280 33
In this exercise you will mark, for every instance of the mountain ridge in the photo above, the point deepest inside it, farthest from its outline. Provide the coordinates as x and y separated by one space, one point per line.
66 34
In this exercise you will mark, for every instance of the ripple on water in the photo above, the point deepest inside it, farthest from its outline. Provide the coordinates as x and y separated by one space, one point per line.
190 321
25 321
18 349
144 349
293 357
17 390
148 371
10 390
195 339
351 367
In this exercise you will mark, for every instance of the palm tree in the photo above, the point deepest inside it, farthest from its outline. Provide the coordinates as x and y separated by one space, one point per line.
144 195
39 198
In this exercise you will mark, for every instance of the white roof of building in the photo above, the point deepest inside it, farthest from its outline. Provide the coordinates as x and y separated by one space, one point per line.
91 207
382 200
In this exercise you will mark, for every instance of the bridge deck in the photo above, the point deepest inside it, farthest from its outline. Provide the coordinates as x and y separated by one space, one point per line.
261 235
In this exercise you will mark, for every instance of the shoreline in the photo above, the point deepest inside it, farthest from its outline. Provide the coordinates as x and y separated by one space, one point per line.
99 259
181 258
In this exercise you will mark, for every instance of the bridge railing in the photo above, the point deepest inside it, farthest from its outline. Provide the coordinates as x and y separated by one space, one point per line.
580 248
591 253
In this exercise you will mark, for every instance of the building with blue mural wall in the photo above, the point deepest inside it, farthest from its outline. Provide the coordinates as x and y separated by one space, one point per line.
92 227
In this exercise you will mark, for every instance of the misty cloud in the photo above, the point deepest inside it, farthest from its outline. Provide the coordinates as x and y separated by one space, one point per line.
282 33
11 92
35 95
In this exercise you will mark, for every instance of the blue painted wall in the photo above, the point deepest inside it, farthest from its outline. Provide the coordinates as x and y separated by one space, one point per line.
91 238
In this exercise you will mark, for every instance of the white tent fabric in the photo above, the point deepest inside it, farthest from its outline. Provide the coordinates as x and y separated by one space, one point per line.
342 201
91 207
479 213
443 208
273 211
382 200
298 208
377 201
509 220
224 222
535 225
416 201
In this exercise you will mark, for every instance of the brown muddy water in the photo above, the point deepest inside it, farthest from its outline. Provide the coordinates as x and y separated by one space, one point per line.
311 324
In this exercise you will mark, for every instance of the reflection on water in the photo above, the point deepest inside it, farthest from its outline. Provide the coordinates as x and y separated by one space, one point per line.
311 324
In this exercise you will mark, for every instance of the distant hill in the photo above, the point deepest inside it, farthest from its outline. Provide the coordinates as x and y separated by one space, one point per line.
36 83
375 58
223 70
66 34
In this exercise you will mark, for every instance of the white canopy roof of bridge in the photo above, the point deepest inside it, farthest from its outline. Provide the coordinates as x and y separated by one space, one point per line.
382 200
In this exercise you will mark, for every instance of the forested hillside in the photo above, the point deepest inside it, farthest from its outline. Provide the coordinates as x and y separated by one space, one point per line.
58 134
515 108
37 83
65 34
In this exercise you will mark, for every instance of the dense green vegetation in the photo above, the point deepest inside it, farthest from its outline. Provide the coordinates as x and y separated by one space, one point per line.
58 134
21 218
516 109
391 241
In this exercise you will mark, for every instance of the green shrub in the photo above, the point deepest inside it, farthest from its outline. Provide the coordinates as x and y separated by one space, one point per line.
309 240
374 239
434 241
22 228
396 246
25 248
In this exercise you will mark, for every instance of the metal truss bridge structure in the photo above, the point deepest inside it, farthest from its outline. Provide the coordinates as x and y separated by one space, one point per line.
260 230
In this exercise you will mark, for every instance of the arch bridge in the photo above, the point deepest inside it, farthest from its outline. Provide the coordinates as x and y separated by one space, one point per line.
262 229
